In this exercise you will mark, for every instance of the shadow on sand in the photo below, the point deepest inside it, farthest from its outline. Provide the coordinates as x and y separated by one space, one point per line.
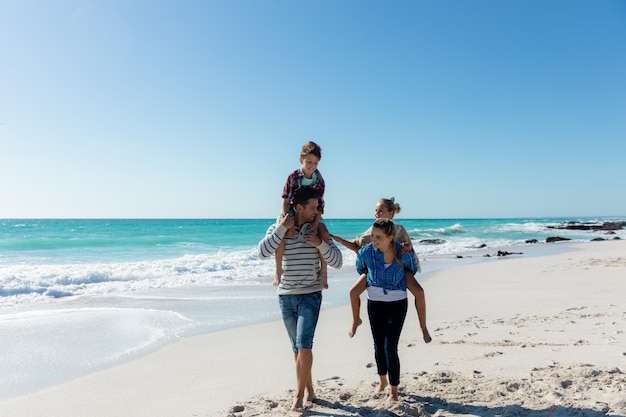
413 405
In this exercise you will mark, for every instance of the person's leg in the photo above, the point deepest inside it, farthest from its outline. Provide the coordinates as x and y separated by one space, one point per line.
420 302
377 313
355 303
289 309
393 392
308 314
397 314
382 384
304 380
278 255
324 273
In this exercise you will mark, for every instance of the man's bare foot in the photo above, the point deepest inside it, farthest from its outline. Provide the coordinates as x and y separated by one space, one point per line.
311 397
355 324
427 338
297 405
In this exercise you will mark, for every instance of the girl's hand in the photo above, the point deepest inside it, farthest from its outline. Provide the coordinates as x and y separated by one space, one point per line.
406 248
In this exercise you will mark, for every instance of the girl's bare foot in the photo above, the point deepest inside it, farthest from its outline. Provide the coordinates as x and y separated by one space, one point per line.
380 387
393 393
352 330
427 338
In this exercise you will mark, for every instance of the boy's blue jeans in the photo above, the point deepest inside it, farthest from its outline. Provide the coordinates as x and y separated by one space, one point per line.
300 313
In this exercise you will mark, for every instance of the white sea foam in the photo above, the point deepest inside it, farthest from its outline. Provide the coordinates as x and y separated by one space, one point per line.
29 281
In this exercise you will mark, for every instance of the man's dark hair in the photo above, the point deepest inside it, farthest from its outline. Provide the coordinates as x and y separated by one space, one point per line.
303 195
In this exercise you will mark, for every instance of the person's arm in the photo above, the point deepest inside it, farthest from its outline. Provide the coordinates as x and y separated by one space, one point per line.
361 267
331 254
285 206
402 237
347 243
357 243
328 251
321 188
274 235
288 189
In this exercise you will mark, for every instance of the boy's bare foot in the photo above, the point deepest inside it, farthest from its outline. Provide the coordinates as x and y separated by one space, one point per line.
355 324
290 233
324 274
279 273
427 338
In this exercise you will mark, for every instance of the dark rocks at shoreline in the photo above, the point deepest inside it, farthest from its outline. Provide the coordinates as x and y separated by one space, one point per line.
501 253
506 253
532 241
600 239
431 242
590 226
551 239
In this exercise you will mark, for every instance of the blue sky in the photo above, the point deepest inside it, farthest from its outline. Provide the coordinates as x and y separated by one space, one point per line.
186 108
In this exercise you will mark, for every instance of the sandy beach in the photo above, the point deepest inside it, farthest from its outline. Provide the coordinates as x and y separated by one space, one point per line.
512 336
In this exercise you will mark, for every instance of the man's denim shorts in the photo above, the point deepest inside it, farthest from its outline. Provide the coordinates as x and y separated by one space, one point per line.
300 314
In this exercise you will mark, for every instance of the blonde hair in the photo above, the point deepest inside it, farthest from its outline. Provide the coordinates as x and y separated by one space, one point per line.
390 204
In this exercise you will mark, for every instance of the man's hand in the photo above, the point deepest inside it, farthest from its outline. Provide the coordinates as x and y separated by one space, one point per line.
312 239
287 220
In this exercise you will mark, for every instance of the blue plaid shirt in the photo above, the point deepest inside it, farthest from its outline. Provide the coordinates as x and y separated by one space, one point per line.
372 261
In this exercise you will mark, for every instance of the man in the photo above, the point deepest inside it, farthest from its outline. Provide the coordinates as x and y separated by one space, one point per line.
300 290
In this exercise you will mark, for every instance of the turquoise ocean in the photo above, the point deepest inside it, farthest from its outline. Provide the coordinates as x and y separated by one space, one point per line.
77 296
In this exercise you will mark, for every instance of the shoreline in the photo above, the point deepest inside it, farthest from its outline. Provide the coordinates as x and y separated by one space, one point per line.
484 328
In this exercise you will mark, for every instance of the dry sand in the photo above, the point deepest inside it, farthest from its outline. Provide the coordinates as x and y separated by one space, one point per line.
513 336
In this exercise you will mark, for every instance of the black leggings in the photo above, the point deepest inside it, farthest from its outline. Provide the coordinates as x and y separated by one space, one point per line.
386 321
